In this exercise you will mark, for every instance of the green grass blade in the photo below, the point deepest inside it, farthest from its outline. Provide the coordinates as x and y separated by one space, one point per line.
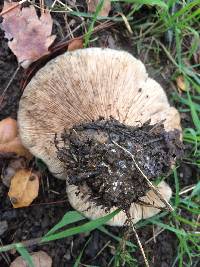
194 114
105 231
159 3
87 227
143 223
189 203
169 228
185 221
177 198
195 42
77 262
9 247
25 254
91 28
196 190
68 218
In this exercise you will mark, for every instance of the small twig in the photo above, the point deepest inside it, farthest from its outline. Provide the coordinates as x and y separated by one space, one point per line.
5 255
53 203
126 235
54 2
100 251
12 7
62 4
140 245
166 52
72 32
9 83
126 22
155 235
42 6
186 190
155 190
147 52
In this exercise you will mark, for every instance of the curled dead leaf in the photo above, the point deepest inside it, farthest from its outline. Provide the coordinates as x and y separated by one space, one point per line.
29 36
24 188
181 83
40 259
10 141
92 5
8 130
75 44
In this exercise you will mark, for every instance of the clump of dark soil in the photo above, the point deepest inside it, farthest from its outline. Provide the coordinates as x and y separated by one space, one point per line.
103 154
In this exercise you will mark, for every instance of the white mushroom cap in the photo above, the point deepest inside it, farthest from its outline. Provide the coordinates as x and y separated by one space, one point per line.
81 86
80 200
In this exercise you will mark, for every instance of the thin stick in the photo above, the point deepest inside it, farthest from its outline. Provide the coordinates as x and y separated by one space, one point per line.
5 255
155 235
126 22
131 226
9 83
155 190
42 6
13 7
140 245
100 251
186 190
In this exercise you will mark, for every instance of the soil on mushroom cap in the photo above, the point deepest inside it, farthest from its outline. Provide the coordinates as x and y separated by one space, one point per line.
95 154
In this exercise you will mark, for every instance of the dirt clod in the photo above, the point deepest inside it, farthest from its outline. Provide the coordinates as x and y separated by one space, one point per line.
96 154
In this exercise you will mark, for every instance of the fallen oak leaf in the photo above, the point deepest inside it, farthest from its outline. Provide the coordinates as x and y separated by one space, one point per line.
92 5
40 259
10 141
24 188
29 36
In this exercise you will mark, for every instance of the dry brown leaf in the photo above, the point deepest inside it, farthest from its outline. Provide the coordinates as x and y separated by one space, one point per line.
75 44
10 141
24 188
40 259
29 36
92 5
181 83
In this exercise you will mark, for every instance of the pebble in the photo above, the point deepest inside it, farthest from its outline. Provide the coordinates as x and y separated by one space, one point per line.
67 255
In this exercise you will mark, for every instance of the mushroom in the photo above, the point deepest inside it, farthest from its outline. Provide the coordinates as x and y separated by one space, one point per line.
80 87
80 200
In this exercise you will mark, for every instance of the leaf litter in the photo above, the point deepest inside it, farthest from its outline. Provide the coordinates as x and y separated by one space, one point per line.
24 185
29 36
9 139
24 188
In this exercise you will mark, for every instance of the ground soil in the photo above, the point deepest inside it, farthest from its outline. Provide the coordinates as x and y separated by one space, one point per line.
99 154
52 203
